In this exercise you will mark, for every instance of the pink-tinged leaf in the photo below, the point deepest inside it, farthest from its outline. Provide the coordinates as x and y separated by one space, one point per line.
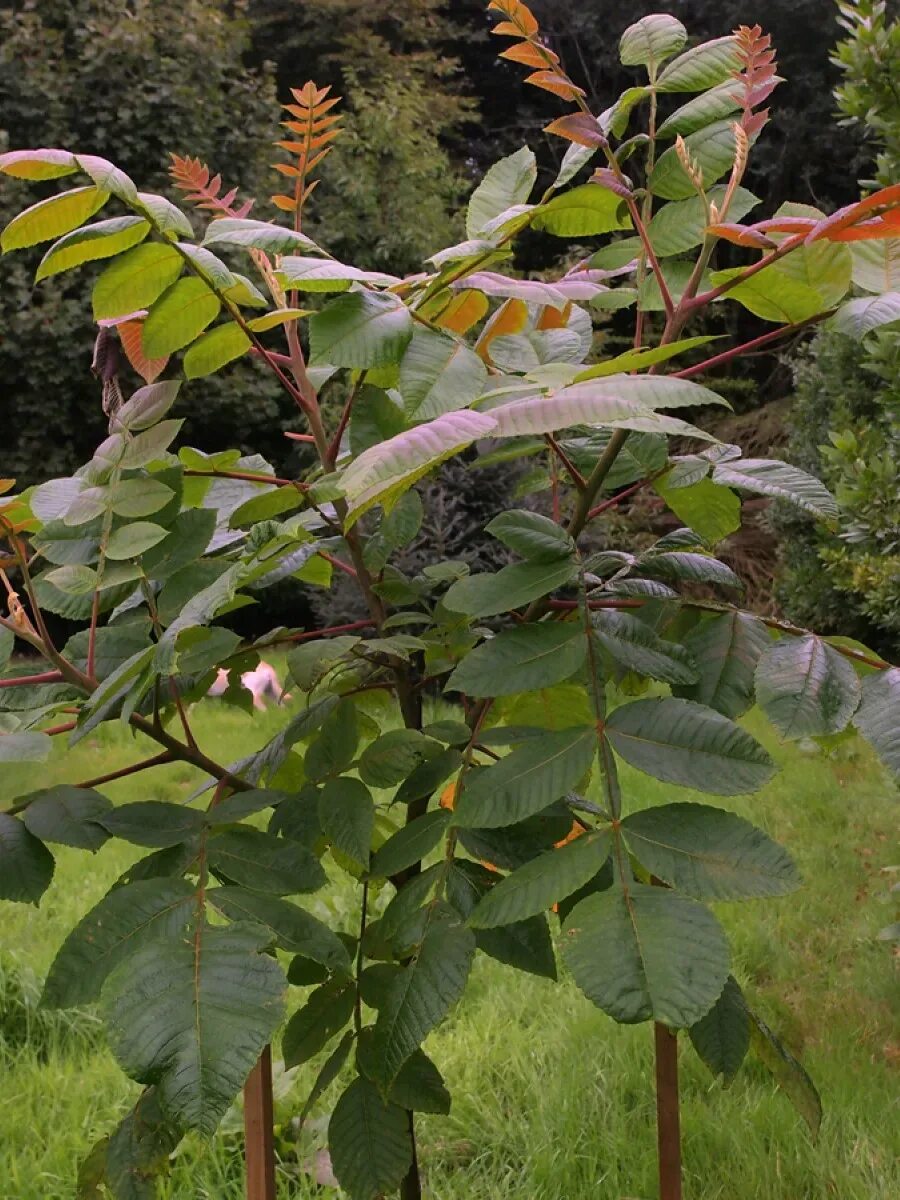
741 235
130 336
384 472
113 322
532 291
869 231
785 225
607 178
581 128
886 198
38 164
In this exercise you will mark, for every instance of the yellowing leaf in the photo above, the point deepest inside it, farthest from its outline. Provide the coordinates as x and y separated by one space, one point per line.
51 218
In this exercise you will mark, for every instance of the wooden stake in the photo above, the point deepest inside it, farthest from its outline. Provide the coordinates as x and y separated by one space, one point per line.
668 1121
259 1145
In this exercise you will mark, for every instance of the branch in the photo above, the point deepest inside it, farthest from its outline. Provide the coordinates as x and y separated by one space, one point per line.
27 680
157 761
755 344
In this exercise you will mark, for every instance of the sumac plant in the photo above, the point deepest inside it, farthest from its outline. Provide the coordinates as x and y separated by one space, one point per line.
503 827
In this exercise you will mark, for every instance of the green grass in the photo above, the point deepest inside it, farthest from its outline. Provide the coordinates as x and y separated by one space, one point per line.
552 1101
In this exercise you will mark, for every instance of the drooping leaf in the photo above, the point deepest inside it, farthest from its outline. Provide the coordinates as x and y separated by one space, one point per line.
382 473
421 996
877 716
708 853
192 1015
487 594
806 688
769 477
722 1037
51 218
643 953
527 780
726 649
537 885
68 815
92 242
122 922
787 1071
147 405
519 660
26 865
506 183
136 279
369 1142
360 329
684 743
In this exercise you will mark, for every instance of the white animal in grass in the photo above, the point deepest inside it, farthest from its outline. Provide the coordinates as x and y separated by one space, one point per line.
262 682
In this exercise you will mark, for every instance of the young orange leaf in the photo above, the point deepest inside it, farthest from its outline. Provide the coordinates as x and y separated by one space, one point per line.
578 127
465 310
560 85
530 55
510 317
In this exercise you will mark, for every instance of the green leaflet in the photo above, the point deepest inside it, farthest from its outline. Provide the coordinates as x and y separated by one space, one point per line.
701 67
520 660
419 1086
684 743
506 183
68 815
360 329
136 279
410 844
179 316
787 1072
512 587
52 217
681 224
421 997
192 1014
712 147
859 317
369 1142
263 863
257 235
391 757
806 688
25 747
722 1037
439 374
645 953
152 822
584 211
526 781
215 349
293 928
347 817
321 1018
535 537
118 925
708 508
726 649
650 41
631 643
92 242
708 853
139 1149
26 865
877 716
539 884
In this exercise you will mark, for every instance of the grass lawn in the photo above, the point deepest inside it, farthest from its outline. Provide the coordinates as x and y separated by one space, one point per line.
551 1100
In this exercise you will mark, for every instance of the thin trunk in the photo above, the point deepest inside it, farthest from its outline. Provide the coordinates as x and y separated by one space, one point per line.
259 1145
411 1187
668 1121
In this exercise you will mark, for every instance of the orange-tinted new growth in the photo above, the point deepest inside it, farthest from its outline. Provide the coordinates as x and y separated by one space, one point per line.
315 133
850 224
192 176
549 75
757 73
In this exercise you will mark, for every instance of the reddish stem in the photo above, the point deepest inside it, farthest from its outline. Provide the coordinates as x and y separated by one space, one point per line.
619 497
157 761
300 437
668 1121
577 477
54 729
27 680
92 634
351 627
755 344
714 293
651 257
341 566
571 605
275 480
259 1144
